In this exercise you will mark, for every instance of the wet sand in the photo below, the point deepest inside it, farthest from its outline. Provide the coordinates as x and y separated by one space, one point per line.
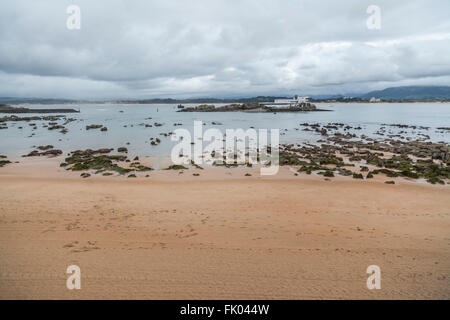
219 236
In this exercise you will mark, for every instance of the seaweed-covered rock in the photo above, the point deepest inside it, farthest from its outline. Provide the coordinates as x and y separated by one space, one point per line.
328 173
176 167
4 162
56 127
139 167
94 126
93 159
51 153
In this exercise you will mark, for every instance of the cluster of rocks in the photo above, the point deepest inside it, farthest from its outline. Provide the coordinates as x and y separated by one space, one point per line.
199 108
155 141
302 107
405 126
52 124
148 125
101 162
32 118
393 158
47 150
176 167
9 109
96 126
3 161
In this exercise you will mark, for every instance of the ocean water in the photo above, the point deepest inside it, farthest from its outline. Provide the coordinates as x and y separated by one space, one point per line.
15 142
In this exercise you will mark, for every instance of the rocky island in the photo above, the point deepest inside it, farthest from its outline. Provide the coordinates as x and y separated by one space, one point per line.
4 108
254 107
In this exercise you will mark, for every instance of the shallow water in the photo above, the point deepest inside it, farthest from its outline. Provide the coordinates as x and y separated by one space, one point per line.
15 142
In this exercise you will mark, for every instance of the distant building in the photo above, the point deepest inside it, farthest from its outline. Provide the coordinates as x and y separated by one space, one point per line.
373 99
296 100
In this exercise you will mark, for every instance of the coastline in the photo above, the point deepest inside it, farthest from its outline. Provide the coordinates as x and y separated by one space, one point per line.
219 236
49 167
386 102
222 103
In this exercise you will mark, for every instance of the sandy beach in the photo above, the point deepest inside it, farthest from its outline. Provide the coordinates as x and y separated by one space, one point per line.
219 236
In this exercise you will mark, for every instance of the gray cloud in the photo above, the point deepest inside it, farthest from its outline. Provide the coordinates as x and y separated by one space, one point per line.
143 48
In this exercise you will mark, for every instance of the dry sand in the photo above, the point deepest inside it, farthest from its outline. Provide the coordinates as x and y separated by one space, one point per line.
213 237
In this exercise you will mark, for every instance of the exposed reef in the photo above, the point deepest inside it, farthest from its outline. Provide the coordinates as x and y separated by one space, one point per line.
100 161
253 107
348 157
3 161
9 109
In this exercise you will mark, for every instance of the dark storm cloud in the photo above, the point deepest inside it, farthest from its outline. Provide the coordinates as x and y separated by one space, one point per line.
205 48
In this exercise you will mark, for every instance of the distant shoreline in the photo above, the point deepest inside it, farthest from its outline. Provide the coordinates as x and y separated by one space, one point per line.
221 103
7 109
388 102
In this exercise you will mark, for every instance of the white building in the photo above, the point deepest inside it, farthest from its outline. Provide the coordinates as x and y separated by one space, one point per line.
292 102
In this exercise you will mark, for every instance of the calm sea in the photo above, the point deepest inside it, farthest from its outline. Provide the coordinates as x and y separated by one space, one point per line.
127 126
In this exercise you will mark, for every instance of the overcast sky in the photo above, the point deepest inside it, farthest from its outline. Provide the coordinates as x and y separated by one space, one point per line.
145 49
